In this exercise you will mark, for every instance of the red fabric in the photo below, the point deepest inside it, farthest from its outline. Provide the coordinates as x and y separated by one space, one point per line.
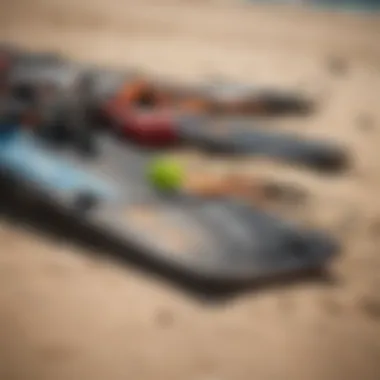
150 128
153 128
5 62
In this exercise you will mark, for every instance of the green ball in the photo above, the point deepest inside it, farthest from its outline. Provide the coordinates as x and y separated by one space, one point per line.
166 174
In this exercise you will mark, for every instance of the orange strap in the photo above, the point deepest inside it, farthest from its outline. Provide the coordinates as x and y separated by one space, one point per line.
132 92
226 186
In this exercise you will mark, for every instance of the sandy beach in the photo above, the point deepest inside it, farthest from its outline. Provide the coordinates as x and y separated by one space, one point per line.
66 315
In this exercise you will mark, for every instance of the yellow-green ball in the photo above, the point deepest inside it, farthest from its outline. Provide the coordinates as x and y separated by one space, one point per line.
166 174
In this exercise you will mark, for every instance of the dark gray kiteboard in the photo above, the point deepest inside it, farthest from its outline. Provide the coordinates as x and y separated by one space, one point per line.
219 240
242 136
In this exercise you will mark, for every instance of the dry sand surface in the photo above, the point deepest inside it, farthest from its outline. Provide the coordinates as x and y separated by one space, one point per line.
66 315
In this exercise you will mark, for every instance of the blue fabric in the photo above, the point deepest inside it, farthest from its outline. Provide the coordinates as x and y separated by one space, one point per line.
342 5
365 5
21 154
